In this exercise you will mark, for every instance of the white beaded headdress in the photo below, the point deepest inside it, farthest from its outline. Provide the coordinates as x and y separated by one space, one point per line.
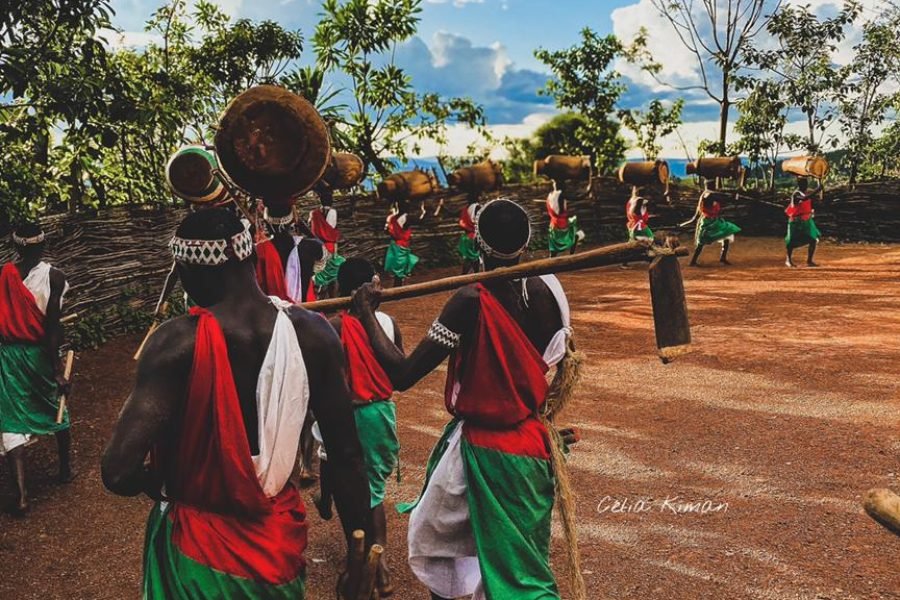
287 219
28 241
212 252
485 247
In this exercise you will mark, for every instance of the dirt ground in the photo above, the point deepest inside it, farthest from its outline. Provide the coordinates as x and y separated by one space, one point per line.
783 416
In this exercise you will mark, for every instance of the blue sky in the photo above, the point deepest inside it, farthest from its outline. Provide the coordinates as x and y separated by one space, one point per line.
484 49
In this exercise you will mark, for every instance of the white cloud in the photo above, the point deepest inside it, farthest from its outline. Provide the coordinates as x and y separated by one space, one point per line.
456 3
460 137
129 39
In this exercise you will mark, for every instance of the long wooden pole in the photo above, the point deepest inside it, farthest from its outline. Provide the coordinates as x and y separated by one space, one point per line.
616 254
67 373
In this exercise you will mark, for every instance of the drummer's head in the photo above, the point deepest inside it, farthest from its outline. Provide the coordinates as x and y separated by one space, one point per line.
28 239
215 255
502 230
802 184
353 274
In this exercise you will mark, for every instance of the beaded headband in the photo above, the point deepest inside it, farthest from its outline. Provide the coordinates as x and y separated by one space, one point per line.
212 252
287 219
485 247
28 241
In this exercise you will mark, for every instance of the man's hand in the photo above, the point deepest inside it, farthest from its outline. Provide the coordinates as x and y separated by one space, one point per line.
63 385
367 297
569 436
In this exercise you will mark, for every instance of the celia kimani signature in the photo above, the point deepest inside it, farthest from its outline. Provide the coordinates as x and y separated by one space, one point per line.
675 505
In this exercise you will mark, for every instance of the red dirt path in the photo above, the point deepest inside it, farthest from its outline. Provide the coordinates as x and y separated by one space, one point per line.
787 411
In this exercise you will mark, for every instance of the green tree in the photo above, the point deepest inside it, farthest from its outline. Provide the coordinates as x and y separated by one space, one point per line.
386 117
650 126
585 81
865 102
802 62
716 33
763 116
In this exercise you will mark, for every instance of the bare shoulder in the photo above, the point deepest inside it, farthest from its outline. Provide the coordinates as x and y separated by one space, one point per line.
314 331
57 277
171 345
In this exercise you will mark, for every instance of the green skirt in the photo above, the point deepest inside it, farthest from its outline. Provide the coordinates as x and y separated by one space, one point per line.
169 574
801 233
29 396
329 273
714 230
376 424
467 248
562 240
399 261
641 233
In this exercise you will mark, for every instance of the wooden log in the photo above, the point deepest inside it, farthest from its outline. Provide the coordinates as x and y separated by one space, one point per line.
806 166
369 573
670 318
883 505
356 564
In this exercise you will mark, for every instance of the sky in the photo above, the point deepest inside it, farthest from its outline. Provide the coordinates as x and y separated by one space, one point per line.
485 49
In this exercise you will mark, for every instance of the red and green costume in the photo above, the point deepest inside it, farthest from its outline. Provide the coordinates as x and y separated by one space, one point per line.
399 260
802 229
29 396
638 221
231 525
482 524
563 233
467 247
375 412
713 228
330 236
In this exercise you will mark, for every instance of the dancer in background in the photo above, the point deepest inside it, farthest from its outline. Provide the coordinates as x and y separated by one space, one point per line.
711 227
31 372
467 248
564 233
638 216
399 261
801 230
323 222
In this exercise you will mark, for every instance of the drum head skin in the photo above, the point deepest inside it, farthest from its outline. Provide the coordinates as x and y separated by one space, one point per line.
190 176
272 143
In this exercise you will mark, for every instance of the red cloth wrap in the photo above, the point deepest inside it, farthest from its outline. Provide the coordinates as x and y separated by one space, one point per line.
221 517
501 375
711 211
802 210
367 379
467 224
322 230
558 220
397 232
21 321
636 220
270 271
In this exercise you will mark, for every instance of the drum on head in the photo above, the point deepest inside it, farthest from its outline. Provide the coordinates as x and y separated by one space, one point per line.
191 175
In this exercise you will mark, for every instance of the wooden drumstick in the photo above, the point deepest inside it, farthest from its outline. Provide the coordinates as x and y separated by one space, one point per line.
369 572
68 318
67 372
356 564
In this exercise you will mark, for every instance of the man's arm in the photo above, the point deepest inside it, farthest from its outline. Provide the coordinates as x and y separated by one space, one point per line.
458 316
330 400
162 376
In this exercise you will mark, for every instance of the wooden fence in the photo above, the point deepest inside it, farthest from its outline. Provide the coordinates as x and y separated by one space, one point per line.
120 255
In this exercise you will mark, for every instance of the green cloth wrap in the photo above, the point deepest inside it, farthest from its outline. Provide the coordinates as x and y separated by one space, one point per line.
713 230
510 501
329 273
633 234
376 423
561 240
467 248
29 396
801 233
171 575
399 261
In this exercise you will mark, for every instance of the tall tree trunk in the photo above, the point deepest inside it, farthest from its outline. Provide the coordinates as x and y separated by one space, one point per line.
724 107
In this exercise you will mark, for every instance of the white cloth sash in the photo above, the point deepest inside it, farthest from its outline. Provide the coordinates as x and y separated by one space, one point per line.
556 349
38 283
282 397
293 276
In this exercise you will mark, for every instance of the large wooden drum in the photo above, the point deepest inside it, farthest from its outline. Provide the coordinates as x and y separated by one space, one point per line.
344 171
272 143
717 166
486 176
645 173
191 176
560 167
408 185
806 166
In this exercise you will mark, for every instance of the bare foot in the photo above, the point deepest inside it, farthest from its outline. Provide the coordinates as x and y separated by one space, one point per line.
812 264
725 262
789 264
323 507
307 478
18 508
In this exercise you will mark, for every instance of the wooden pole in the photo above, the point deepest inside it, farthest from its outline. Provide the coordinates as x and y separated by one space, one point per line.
369 572
616 254
67 372
883 505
